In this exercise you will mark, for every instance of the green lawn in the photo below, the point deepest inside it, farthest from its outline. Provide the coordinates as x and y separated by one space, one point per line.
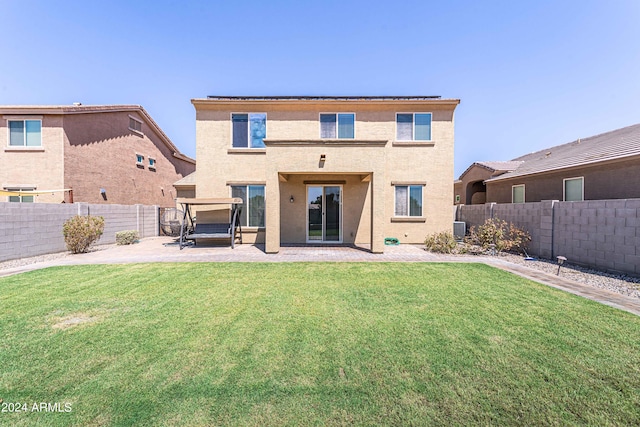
311 344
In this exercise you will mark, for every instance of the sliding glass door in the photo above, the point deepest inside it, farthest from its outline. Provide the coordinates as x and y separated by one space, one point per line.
324 214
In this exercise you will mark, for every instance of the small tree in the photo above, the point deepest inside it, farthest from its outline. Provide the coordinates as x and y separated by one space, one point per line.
442 243
502 235
80 232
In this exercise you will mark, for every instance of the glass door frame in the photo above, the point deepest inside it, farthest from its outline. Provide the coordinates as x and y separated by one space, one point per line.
324 219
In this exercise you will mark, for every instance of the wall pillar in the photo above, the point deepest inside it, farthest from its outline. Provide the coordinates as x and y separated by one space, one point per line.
377 213
272 214
546 228
488 210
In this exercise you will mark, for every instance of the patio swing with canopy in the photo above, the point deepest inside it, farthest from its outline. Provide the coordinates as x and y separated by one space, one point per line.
192 230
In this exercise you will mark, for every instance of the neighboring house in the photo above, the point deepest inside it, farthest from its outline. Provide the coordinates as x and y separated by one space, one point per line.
470 188
104 154
328 170
605 166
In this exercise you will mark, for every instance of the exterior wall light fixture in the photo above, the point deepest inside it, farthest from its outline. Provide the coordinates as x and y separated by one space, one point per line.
291 199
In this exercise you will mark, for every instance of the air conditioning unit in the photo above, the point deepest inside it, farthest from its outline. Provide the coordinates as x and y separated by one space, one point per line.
459 229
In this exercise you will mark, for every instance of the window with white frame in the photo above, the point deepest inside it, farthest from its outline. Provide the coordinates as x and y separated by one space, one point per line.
135 124
253 204
517 193
408 200
249 130
413 126
152 163
340 126
139 160
574 189
21 198
25 133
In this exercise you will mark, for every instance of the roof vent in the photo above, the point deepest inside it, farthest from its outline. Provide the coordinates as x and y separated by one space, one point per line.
77 104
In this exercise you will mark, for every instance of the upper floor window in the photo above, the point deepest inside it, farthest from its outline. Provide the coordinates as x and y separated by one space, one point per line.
135 124
517 193
152 163
574 189
249 130
341 126
140 159
413 126
25 133
408 200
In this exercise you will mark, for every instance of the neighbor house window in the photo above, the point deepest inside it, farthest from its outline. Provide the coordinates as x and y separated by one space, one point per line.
252 214
249 130
152 163
517 193
413 126
408 200
21 198
139 159
341 126
25 133
135 124
574 189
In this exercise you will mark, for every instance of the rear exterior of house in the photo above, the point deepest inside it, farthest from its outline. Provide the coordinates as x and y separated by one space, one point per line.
112 154
328 170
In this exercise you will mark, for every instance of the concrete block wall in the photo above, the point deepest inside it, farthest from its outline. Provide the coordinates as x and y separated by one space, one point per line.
30 229
602 234
526 216
473 214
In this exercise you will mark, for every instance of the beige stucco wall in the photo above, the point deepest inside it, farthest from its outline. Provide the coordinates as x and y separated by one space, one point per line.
41 167
369 165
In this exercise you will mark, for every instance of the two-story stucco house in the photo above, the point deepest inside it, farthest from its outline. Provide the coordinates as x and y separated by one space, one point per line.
325 169
102 153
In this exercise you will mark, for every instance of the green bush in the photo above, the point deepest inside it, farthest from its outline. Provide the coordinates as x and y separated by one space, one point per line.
127 237
442 243
498 235
80 232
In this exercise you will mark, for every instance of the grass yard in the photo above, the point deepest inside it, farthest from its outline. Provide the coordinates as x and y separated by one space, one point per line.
311 344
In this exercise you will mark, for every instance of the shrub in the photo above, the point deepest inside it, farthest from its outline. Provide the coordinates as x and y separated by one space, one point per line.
127 237
80 232
502 235
442 243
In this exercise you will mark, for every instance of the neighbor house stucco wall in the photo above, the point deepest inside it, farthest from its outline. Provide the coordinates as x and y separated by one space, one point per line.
100 153
41 167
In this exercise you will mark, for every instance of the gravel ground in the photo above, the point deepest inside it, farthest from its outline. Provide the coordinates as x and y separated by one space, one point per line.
620 283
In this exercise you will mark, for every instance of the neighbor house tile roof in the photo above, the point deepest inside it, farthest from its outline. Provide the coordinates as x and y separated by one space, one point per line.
617 144
187 181
494 167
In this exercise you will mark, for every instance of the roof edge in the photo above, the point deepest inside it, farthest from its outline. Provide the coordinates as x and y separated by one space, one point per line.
577 166
310 100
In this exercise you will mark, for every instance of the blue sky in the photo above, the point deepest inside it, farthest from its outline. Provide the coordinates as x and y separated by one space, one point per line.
529 74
